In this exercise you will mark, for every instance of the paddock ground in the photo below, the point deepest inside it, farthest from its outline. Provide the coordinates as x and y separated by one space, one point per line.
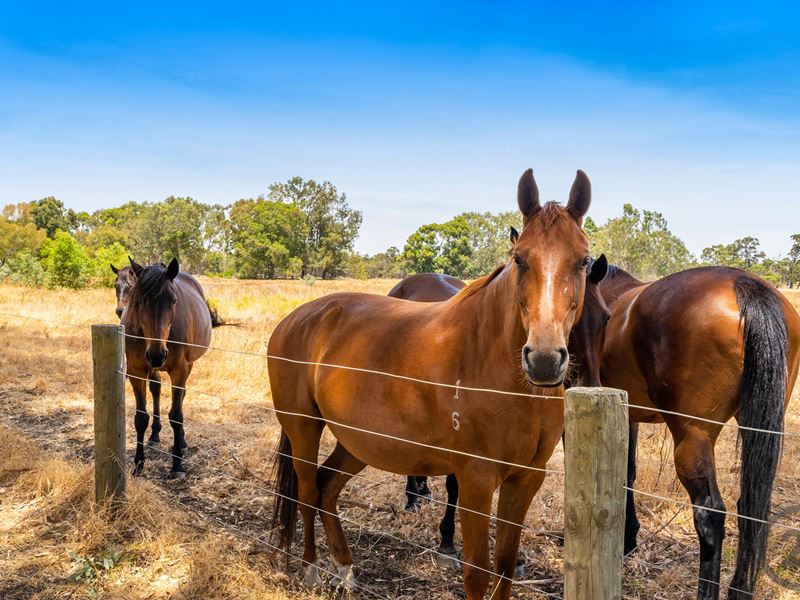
198 538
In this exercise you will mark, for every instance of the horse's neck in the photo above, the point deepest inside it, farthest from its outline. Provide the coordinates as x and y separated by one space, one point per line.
618 284
489 321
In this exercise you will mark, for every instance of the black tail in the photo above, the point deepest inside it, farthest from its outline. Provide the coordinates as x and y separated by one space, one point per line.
284 516
763 391
216 320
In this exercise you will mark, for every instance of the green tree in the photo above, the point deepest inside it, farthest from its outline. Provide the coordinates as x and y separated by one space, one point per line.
104 257
23 268
16 237
266 235
331 225
68 265
386 265
49 214
641 243
743 253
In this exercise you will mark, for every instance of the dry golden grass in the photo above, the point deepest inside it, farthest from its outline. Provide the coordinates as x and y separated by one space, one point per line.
168 551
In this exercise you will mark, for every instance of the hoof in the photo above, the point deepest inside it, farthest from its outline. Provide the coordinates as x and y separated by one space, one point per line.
153 442
311 579
519 571
413 507
344 575
138 469
177 475
447 559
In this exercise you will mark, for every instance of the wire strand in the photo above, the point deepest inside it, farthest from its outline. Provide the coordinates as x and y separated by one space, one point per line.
359 429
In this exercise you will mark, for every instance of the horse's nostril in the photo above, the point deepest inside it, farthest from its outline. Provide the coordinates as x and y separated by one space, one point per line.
564 355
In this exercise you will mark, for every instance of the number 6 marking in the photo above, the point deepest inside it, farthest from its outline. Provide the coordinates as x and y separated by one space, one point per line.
456 424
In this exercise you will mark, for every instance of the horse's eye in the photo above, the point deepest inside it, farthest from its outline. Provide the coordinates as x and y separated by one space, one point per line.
519 262
586 262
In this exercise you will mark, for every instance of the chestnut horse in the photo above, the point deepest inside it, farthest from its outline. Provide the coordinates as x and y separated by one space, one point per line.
164 304
506 331
712 342
584 349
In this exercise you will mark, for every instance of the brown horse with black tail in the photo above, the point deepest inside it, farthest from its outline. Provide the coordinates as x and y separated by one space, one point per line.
716 343
584 345
506 331
168 326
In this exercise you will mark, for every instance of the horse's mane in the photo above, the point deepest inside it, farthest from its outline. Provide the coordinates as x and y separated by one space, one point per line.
480 283
615 271
151 282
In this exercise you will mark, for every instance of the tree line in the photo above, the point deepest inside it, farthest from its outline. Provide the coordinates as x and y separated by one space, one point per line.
302 228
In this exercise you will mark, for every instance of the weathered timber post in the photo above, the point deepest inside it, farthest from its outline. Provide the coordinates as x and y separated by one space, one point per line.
108 360
595 462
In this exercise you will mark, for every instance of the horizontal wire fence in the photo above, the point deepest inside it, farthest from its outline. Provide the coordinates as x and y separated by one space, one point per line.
457 387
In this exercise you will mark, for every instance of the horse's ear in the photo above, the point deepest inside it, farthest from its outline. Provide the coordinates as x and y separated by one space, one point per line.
599 269
137 268
514 236
580 196
115 269
172 269
528 196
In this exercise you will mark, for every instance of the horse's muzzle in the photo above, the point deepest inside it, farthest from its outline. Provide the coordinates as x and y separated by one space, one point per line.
545 368
156 358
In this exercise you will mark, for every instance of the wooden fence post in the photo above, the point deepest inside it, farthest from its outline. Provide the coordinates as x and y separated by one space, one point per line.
108 359
595 463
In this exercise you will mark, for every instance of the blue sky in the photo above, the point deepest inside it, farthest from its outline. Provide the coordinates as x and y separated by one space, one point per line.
418 111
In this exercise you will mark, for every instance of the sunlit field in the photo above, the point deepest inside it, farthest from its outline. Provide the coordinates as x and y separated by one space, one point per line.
208 535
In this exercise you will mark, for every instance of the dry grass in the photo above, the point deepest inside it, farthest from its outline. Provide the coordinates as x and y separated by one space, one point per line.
168 551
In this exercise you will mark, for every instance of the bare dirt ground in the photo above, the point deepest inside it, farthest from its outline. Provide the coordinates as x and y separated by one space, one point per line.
207 536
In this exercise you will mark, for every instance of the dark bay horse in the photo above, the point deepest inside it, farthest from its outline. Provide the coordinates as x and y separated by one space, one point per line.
713 342
506 331
584 350
164 304
122 286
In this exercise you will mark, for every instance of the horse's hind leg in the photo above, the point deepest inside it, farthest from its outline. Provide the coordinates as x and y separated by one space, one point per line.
417 490
154 384
694 462
332 476
305 434
631 520
448 557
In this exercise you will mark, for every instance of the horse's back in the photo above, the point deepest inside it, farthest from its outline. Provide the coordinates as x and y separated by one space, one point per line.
192 323
683 333
427 287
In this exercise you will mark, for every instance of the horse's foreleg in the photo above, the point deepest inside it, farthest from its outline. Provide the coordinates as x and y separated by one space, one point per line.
178 377
332 476
154 384
140 420
516 494
475 502
631 520
694 462
447 528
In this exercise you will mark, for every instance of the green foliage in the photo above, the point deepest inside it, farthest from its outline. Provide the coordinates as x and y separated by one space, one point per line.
89 569
385 265
17 237
266 235
743 253
331 225
67 262
104 257
641 243
23 268
49 214
467 246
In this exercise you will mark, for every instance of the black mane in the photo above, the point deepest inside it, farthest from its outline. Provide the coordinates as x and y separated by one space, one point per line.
152 282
